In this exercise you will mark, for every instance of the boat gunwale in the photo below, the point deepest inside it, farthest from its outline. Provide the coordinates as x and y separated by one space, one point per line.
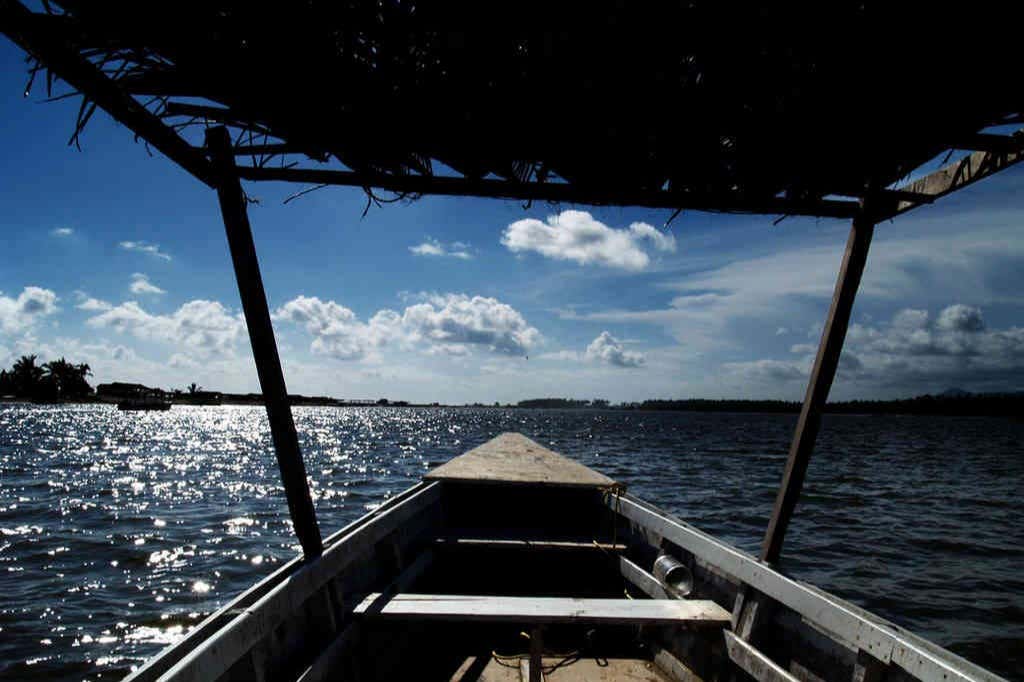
846 623
214 625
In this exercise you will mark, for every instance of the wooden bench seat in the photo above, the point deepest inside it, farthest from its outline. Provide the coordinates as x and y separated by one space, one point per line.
538 610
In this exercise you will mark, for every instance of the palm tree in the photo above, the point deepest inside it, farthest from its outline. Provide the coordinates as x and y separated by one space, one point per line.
194 388
64 380
27 375
82 387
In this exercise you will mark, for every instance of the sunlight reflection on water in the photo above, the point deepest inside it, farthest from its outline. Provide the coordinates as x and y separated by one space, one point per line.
121 531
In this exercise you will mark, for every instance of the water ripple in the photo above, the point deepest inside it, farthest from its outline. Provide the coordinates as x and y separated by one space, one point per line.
120 531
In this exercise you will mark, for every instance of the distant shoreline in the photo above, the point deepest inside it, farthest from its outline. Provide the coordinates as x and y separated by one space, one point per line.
958 404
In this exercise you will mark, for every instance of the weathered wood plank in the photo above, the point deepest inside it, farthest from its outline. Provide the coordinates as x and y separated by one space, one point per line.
671 666
264 345
868 668
819 384
755 663
923 659
536 667
514 458
646 582
960 174
499 609
554 191
159 664
526 544
326 664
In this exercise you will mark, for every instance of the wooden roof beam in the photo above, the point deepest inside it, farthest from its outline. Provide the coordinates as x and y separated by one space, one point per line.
555 192
19 24
960 174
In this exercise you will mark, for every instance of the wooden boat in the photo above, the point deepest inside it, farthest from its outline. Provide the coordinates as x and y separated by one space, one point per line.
510 538
145 402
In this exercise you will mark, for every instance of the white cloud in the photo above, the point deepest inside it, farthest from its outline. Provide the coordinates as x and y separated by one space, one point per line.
20 314
609 350
912 354
960 318
145 247
62 232
477 320
577 236
448 324
204 327
91 304
767 370
182 361
142 285
663 241
432 247
717 308
336 330
569 355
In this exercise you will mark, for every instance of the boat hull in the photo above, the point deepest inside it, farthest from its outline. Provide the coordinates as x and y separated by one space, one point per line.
544 543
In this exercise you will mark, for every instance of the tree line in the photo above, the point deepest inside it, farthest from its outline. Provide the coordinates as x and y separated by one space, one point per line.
54 380
959 403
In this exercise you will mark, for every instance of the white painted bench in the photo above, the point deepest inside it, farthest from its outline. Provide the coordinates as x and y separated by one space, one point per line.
542 610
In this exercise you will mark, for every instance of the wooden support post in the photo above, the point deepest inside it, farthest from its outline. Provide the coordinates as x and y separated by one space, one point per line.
537 654
820 383
261 336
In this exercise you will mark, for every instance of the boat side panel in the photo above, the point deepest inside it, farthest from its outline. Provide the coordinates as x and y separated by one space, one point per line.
841 621
163 661
303 636
216 655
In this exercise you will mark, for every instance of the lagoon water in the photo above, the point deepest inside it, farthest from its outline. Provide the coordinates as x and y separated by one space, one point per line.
120 531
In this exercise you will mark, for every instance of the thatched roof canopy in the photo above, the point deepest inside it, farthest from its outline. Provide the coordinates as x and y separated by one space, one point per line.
767 108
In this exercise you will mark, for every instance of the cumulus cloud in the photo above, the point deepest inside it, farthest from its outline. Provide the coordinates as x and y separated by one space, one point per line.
336 330
960 318
913 353
975 257
449 324
204 327
142 285
62 232
20 314
767 370
578 236
476 320
146 248
89 303
609 350
432 247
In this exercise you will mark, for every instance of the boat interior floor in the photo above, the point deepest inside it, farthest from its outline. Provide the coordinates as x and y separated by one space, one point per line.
490 667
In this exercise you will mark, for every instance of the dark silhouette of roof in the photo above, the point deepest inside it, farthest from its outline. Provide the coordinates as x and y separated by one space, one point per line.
751 107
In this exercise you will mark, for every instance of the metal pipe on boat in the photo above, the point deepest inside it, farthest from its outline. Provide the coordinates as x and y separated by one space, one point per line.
673 575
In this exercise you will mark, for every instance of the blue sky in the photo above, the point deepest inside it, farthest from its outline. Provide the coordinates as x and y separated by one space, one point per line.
118 258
